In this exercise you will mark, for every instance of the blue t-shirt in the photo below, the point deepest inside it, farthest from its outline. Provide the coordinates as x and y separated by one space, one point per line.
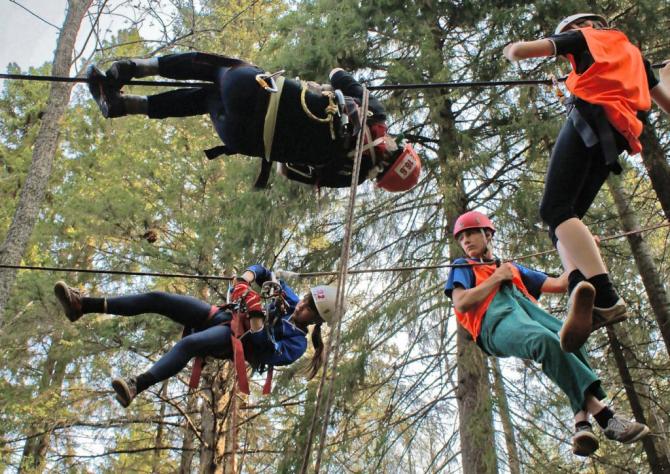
464 277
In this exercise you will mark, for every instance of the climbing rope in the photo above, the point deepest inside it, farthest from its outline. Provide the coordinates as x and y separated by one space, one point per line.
331 108
318 274
388 87
335 338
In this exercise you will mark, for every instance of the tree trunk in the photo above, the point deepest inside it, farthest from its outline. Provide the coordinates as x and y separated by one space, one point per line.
657 167
478 452
215 415
37 179
658 462
39 436
506 419
187 453
158 440
651 278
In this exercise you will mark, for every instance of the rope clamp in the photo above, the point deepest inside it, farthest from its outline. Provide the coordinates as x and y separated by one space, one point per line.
267 81
271 289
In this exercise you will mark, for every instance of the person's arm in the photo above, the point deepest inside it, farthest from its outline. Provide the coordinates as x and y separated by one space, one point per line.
529 49
661 93
465 300
287 350
555 285
345 81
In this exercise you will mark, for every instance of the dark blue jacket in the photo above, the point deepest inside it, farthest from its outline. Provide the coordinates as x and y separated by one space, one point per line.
290 342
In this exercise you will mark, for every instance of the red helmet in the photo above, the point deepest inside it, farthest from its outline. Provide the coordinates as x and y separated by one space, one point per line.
472 220
404 173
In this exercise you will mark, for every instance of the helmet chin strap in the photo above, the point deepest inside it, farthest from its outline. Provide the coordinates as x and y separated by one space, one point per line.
486 245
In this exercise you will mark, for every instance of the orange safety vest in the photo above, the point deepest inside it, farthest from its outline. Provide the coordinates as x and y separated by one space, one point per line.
472 320
616 80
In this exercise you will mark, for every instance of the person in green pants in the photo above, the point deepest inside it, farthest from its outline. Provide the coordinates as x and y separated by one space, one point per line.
497 304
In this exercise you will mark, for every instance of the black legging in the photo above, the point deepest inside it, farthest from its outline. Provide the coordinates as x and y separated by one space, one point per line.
235 102
211 339
575 175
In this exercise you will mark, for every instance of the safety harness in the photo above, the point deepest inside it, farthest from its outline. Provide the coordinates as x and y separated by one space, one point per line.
239 327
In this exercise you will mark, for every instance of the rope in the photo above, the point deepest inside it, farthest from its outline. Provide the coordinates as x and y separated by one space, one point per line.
331 108
339 311
320 274
388 87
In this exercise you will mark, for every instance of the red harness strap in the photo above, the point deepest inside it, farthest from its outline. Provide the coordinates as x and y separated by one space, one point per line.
239 325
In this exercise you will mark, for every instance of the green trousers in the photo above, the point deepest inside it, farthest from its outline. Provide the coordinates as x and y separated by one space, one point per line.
514 326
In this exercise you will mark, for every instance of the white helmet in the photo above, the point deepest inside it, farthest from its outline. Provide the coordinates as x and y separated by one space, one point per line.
567 21
325 299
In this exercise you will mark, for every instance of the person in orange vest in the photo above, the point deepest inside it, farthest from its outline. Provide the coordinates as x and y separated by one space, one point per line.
611 84
264 342
497 304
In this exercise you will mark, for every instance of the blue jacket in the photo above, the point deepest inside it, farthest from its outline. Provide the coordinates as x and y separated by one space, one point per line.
290 342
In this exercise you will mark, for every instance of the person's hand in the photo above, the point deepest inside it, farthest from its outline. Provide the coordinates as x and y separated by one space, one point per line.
242 291
503 273
507 52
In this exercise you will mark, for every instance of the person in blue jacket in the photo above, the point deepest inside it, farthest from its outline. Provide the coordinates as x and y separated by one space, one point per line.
308 129
281 344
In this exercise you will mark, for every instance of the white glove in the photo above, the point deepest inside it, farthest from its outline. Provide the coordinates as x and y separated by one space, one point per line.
284 274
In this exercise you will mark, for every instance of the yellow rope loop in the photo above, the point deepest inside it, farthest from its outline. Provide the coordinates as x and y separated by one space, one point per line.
331 108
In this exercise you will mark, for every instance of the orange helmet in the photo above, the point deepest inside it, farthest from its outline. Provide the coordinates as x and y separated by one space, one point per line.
404 173
472 220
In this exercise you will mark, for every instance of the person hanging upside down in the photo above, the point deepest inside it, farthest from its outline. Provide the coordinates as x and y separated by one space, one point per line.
497 304
308 129
252 334
611 84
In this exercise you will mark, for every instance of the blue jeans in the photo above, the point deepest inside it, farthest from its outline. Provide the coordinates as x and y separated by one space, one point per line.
210 338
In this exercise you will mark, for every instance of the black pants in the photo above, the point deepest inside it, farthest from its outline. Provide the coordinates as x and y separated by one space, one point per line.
575 175
234 102
210 339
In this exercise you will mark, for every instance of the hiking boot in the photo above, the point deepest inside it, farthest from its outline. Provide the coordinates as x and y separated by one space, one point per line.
625 431
126 390
577 326
121 72
584 442
608 316
70 300
105 94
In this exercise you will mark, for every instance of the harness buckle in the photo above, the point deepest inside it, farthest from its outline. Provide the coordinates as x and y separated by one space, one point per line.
267 81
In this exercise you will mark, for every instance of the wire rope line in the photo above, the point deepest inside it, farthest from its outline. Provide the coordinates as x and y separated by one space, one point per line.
335 338
408 86
317 274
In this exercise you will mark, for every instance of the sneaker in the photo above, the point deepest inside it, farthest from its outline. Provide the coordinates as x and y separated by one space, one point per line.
70 300
584 441
121 72
577 326
126 390
105 94
608 316
625 431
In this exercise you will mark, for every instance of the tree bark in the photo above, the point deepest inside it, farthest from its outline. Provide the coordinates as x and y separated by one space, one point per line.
651 278
46 143
658 169
158 440
658 462
39 436
506 419
187 453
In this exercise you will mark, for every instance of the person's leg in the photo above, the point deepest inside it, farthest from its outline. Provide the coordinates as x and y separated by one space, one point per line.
182 309
519 334
571 185
211 341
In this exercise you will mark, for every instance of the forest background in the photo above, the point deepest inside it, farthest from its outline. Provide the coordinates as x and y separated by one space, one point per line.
411 393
